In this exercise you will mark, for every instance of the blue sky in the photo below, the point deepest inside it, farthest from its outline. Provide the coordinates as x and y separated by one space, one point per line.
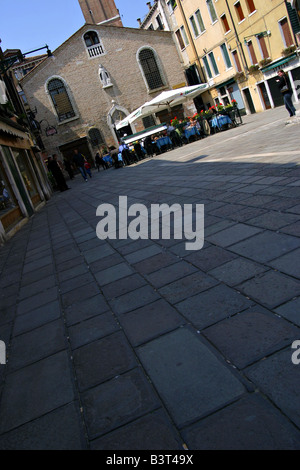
30 24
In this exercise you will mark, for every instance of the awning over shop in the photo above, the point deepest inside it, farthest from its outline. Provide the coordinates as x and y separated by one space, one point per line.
12 130
228 82
278 63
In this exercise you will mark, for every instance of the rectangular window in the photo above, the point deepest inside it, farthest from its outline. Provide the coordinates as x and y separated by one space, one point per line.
213 63
180 40
225 23
172 5
252 53
263 47
211 10
183 33
200 21
159 22
194 26
286 33
207 67
237 61
239 11
251 6
226 56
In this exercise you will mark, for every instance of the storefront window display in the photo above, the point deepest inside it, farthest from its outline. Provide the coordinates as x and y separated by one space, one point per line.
26 172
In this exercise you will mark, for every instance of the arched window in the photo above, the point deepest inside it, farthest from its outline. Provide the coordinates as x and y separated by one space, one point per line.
150 69
95 137
93 44
91 38
60 99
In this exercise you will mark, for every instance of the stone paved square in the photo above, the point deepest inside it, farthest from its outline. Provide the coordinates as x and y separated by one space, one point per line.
142 344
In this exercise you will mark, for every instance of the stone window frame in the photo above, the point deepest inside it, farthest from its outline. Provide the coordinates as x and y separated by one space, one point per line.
70 96
159 66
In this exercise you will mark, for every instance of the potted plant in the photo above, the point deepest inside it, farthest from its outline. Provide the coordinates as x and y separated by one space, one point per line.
254 69
265 62
240 77
288 50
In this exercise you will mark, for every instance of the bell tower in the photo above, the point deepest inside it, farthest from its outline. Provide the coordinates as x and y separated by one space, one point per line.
100 12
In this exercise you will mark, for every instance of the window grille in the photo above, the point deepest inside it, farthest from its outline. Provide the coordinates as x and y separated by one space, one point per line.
95 137
150 69
93 44
60 99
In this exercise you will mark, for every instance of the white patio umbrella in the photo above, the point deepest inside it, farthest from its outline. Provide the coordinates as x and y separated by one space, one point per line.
164 100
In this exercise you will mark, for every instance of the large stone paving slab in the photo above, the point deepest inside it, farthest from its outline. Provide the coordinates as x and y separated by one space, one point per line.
187 287
118 402
251 335
216 304
152 432
86 308
36 390
266 246
210 258
289 264
102 360
290 311
279 379
271 289
92 329
233 235
59 430
249 424
236 271
133 300
191 381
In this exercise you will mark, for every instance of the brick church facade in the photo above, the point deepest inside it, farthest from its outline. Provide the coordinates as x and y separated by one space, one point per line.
97 77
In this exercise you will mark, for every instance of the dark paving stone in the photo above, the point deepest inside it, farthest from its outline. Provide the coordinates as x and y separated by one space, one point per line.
152 432
123 286
189 392
258 200
210 258
290 311
293 229
118 402
31 320
7 314
271 289
33 266
143 254
106 262
98 253
171 273
102 360
133 300
81 293
273 220
79 270
37 301
37 287
251 335
247 213
36 390
36 345
86 309
289 264
148 322
266 246
76 282
237 271
218 227
233 235
133 246
92 329
279 379
249 424
155 263
65 265
113 273
216 304
59 430
34 276
187 287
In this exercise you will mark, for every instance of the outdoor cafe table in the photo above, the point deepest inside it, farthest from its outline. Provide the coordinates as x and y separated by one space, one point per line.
191 131
163 141
220 121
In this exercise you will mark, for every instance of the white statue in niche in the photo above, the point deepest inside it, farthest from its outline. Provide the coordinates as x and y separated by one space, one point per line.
104 77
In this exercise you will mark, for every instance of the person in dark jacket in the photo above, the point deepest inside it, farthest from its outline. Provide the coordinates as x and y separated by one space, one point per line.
68 168
79 161
54 168
286 90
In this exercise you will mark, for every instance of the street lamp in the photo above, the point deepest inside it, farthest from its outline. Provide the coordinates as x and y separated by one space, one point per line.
5 64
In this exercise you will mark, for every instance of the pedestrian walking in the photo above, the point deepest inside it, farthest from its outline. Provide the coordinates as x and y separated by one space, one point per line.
68 168
79 161
100 161
88 167
284 85
54 168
